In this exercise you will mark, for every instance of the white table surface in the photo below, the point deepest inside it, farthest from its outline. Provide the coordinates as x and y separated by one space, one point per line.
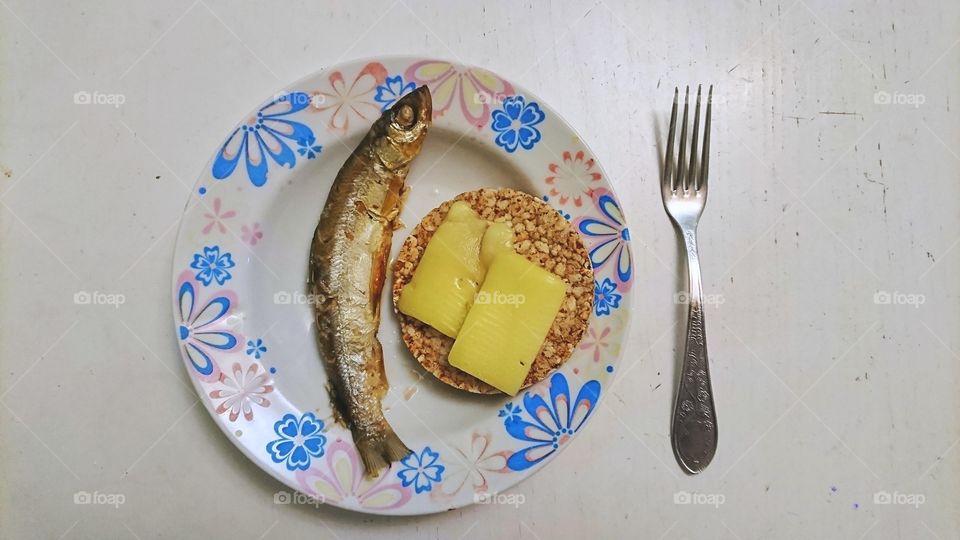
822 195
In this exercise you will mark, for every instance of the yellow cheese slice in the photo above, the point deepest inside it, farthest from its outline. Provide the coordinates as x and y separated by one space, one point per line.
497 239
449 273
508 323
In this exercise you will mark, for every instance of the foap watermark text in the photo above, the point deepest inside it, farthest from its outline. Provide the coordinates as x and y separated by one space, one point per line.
499 298
98 98
897 298
296 298
98 298
507 499
703 499
299 99
683 298
295 497
906 499
489 98
104 499
899 98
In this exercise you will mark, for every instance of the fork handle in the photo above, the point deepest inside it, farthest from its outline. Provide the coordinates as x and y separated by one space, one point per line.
694 433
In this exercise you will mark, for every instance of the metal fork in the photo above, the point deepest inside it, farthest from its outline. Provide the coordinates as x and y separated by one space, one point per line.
694 429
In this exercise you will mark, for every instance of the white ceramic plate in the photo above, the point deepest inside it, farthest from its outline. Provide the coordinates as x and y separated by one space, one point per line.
245 324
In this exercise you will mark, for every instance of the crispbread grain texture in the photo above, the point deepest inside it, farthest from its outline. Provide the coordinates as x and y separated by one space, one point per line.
541 235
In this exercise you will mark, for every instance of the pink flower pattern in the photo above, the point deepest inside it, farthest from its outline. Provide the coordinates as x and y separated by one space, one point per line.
355 101
341 481
251 234
596 341
216 218
474 89
241 390
471 467
571 179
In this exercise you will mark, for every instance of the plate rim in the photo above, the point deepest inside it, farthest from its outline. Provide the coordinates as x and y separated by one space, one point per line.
626 312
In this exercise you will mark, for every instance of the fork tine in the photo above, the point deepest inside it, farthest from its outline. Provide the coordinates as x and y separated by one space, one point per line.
682 178
705 159
692 171
668 159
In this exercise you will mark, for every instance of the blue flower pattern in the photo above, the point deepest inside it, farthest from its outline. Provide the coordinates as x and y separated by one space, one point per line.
212 265
421 470
549 425
605 297
510 411
308 147
515 123
393 89
608 237
201 330
300 440
266 137
256 348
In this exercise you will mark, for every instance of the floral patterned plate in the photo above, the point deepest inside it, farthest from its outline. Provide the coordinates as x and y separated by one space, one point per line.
244 321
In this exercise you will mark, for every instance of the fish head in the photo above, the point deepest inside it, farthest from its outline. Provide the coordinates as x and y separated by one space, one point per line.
403 128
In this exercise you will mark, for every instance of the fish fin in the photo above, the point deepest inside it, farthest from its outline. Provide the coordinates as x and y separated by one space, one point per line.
380 453
394 199
397 222
365 210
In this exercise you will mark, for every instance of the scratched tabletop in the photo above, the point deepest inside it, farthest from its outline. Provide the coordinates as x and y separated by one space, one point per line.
828 248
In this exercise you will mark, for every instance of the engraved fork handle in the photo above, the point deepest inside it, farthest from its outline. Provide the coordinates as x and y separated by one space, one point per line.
694 433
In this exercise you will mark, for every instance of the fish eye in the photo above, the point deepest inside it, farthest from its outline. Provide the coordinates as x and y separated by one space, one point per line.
404 116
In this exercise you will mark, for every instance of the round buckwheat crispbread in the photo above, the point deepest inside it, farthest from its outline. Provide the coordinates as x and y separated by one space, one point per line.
541 235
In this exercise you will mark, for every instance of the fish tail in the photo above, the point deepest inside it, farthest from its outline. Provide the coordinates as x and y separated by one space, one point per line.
378 453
